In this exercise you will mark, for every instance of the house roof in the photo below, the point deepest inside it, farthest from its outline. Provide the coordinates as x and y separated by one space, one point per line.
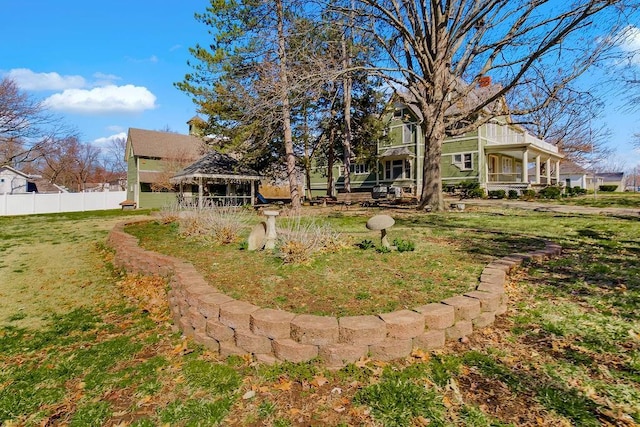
396 152
15 171
567 167
151 143
216 165
610 176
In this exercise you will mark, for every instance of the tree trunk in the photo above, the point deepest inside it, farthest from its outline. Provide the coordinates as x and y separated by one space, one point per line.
286 110
347 137
331 156
431 178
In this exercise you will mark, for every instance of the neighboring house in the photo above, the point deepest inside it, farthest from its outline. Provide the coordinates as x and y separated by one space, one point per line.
498 155
12 181
606 178
216 179
153 157
573 175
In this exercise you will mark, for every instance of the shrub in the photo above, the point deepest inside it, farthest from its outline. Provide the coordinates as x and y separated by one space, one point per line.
497 194
528 195
608 188
513 194
366 244
550 192
298 241
404 245
578 191
221 224
383 249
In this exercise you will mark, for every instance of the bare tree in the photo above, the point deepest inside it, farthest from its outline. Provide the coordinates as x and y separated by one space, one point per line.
436 53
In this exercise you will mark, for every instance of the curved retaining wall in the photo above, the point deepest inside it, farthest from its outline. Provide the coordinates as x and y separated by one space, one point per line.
230 326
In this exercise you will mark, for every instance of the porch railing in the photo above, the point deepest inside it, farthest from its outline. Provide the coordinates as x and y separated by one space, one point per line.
213 201
505 177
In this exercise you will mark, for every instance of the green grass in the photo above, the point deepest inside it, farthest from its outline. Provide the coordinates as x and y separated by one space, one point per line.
75 351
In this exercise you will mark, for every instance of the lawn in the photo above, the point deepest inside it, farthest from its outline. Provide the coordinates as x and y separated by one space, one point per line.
81 344
351 278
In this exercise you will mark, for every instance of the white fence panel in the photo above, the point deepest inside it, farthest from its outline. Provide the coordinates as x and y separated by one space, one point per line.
35 203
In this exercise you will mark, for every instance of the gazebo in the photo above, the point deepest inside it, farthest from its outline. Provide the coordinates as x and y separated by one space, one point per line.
216 179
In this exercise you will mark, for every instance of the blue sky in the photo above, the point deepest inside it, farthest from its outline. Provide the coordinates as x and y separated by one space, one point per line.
103 66
107 66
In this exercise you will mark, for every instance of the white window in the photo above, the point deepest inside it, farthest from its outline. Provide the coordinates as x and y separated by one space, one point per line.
463 161
397 169
360 168
507 165
407 133
492 130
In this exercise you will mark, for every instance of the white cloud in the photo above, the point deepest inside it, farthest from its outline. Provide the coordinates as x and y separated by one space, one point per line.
29 80
104 142
153 59
115 128
100 100
630 39
175 47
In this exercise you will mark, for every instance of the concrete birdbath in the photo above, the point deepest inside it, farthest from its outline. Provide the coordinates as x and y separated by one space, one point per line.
381 223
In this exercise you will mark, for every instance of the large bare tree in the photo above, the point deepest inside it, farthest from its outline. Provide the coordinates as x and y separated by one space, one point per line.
436 52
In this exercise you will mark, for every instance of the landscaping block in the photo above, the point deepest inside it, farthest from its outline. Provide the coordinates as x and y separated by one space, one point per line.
338 355
361 330
485 319
207 341
194 292
459 330
436 315
490 287
465 308
391 349
218 331
252 343
489 301
228 348
266 358
237 314
403 324
502 309
197 320
271 323
292 351
185 327
316 330
209 304
430 340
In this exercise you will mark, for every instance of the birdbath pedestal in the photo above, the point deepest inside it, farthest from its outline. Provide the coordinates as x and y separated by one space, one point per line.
270 238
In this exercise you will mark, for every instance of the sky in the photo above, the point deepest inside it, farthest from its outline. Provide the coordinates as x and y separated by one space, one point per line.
107 66
103 66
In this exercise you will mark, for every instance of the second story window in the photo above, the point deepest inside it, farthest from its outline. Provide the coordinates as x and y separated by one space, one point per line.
408 132
463 161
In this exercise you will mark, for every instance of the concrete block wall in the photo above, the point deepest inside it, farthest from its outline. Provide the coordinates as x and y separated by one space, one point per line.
234 327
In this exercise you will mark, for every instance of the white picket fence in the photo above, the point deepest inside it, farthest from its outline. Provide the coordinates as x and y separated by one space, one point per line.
36 203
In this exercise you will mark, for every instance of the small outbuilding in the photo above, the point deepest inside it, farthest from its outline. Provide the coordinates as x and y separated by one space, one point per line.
216 179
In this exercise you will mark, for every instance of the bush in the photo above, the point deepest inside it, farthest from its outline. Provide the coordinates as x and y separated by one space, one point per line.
366 244
497 194
298 241
578 191
551 192
608 188
404 245
528 195
513 194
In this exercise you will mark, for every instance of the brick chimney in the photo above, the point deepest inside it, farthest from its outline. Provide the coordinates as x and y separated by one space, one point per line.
484 81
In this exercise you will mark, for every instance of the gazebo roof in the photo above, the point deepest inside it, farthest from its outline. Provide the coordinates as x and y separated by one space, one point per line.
216 165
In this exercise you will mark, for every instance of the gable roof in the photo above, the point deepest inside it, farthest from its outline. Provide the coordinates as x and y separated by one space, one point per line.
610 176
151 143
217 165
567 167
14 171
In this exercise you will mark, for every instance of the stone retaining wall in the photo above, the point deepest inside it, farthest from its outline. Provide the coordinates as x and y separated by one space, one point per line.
230 326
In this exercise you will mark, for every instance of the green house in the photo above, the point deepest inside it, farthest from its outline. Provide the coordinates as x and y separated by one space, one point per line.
153 157
499 155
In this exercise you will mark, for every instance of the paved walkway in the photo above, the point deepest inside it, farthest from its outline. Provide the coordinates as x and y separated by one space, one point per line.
548 207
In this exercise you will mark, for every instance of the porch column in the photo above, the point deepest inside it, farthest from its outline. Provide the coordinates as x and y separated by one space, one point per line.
525 166
558 172
537 170
253 191
548 170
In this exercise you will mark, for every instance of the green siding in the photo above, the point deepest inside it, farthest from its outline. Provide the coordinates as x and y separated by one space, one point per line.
156 200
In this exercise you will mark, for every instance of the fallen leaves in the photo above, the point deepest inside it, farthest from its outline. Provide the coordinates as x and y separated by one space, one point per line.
149 293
